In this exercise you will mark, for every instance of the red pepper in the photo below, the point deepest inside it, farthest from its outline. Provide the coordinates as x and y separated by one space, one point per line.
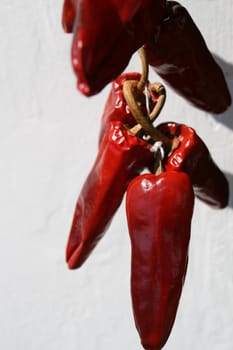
121 157
159 212
116 107
180 56
107 33
193 157
69 15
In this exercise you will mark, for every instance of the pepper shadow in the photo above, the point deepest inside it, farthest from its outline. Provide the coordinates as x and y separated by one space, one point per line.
227 117
227 68
230 181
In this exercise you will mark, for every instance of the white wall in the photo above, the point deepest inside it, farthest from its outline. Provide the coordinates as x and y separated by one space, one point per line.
47 145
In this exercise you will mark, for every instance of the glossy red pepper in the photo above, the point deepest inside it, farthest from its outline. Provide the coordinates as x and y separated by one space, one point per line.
180 56
107 33
69 14
116 107
193 157
159 212
120 158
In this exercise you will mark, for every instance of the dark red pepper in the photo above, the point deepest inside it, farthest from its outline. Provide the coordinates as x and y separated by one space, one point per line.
159 212
107 33
180 56
120 158
193 157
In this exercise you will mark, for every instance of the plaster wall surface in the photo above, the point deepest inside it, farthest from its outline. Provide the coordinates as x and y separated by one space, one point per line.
48 142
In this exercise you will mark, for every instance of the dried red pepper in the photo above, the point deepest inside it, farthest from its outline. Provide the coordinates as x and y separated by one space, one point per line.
106 35
180 56
193 157
120 158
116 107
69 15
159 212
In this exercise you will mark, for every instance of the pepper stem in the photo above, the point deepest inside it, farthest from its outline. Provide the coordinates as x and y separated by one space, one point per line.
131 90
161 93
145 69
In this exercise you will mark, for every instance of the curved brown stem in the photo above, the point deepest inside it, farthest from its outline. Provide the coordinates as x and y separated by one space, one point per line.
160 91
130 90
145 69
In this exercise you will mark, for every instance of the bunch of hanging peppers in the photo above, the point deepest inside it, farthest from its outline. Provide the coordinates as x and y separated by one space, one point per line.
160 169
107 33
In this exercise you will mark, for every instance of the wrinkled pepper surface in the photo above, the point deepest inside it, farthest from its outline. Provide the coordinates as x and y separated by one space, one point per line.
180 56
193 157
120 158
116 107
159 212
106 34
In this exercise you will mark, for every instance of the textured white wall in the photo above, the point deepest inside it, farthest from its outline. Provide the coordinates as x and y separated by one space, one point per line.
48 139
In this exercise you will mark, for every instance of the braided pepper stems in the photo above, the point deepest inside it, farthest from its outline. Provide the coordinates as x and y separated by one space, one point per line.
116 107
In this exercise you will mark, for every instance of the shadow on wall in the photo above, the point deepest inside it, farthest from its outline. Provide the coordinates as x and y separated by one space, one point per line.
230 180
227 67
227 117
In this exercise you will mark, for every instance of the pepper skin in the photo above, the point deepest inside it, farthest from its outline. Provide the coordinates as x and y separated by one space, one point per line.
180 56
193 157
106 35
159 212
116 107
121 157
69 15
